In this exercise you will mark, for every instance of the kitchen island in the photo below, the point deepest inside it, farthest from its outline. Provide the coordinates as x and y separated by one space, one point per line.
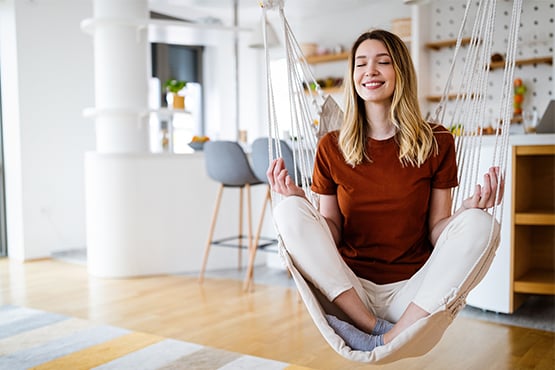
150 213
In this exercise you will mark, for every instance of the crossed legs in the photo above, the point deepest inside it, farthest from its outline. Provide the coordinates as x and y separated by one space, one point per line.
452 263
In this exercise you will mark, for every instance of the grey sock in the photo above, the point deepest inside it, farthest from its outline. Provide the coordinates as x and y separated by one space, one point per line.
382 327
353 337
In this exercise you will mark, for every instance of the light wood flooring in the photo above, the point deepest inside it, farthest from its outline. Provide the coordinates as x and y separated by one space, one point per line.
269 322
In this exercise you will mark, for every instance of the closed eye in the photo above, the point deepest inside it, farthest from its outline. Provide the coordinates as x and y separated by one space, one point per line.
361 61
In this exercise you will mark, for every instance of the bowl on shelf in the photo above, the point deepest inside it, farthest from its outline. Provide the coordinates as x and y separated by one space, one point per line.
197 143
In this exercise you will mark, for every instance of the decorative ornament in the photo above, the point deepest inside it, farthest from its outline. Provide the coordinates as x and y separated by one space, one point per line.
519 91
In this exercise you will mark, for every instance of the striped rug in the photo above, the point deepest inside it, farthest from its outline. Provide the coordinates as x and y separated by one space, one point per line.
31 338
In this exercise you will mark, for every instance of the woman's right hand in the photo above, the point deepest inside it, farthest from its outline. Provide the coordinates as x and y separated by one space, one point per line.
280 181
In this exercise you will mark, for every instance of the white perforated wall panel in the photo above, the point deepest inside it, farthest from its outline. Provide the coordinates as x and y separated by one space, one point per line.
535 40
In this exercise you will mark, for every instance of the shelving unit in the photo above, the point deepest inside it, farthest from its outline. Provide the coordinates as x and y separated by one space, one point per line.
533 222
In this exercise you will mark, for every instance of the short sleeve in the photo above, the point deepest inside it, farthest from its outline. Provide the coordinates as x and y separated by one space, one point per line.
445 163
326 154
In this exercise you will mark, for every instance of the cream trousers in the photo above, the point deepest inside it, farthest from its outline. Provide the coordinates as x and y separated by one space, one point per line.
309 242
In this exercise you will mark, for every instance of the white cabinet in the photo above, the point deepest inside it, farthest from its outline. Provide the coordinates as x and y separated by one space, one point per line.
523 240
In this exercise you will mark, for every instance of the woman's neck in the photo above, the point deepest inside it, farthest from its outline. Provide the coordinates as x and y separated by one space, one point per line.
381 127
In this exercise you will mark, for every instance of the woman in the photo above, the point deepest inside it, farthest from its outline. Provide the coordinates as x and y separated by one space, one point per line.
383 246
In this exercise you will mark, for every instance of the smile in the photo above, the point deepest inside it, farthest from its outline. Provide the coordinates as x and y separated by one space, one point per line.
372 84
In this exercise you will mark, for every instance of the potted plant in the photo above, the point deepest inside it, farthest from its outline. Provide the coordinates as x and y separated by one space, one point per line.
174 87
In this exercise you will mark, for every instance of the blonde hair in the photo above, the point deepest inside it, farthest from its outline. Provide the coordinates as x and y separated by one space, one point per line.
413 135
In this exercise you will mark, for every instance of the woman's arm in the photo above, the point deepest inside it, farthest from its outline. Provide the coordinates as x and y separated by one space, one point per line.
281 183
483 198
440 212
329 208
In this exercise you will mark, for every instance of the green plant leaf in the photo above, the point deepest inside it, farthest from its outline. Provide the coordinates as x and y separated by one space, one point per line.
174 86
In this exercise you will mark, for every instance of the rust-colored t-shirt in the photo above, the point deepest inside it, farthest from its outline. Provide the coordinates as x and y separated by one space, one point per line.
383 204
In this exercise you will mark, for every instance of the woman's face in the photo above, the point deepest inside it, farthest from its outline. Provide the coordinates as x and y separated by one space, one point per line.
373 73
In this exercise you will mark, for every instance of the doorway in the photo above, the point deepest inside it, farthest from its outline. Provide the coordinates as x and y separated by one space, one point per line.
180 62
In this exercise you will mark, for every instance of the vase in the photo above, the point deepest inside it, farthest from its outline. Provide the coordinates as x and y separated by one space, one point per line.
178 101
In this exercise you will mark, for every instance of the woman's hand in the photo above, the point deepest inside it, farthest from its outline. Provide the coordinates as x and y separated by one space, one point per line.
280 181
484 196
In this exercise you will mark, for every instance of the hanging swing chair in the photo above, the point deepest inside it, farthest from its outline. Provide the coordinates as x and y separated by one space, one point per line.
313 115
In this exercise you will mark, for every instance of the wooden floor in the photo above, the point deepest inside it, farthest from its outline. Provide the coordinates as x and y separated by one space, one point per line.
269 322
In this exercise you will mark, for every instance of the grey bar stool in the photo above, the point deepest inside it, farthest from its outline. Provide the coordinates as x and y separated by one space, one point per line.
227 163
260 161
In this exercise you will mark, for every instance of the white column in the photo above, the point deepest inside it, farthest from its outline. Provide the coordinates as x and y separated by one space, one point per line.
121 80
119 29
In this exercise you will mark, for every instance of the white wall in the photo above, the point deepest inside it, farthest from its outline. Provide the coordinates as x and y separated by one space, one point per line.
47 81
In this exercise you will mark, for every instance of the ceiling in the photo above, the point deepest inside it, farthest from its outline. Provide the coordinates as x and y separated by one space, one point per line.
249 10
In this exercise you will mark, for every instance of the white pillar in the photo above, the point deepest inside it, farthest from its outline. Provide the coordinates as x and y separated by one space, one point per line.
119 29
121 78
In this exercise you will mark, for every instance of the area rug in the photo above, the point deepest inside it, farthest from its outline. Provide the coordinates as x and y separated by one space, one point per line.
34 339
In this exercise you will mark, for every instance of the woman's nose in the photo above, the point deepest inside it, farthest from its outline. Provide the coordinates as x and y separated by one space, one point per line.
370 69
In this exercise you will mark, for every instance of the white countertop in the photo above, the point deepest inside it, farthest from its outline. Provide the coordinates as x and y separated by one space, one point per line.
532 139
522 139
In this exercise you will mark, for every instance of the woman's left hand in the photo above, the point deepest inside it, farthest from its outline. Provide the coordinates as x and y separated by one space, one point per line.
484 196
280 181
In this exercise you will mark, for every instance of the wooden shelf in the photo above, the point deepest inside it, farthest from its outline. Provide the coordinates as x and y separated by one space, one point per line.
522 62
446 43
315 59
331 90
437 98
535 150
535 218
536 282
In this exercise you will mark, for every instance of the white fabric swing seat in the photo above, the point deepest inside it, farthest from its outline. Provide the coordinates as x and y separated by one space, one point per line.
415 341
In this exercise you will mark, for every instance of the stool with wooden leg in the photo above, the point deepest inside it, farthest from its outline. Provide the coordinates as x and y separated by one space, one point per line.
260 162
227 163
